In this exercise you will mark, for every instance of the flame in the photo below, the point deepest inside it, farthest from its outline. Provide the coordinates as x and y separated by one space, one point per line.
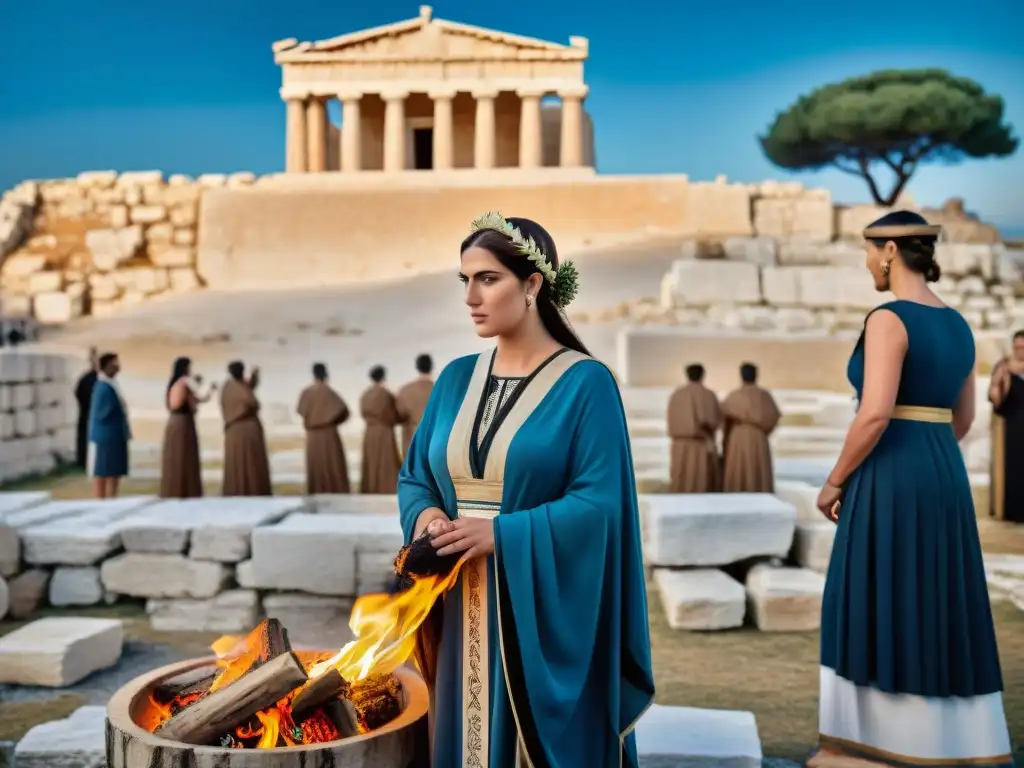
385 629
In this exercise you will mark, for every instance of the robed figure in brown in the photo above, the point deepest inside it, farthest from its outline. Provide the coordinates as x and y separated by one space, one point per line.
181 475
694 417
246 466
380 451
750 417
323 411
1006 393
412 400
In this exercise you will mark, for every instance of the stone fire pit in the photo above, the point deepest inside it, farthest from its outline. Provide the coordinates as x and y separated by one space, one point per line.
399 744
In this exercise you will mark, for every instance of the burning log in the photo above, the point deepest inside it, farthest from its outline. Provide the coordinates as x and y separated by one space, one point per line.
206 721
344 717
329 686
186 685
418 559
377 701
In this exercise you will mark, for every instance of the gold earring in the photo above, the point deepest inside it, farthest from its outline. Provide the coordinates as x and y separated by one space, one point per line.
529 301
885 269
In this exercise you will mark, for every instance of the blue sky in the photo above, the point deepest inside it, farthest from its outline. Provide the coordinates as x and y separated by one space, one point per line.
190 86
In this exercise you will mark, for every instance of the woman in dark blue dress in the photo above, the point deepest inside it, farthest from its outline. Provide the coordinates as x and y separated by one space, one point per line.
910 672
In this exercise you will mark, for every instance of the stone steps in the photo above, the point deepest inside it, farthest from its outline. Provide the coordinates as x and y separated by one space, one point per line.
667 737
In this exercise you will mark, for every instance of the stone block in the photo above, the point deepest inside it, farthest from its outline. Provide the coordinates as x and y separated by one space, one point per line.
10 551
76 585
140 178
58 652
830 287
654 356
702 283
375 571
163 575
353 504
812 547
957 259
712 529
294 608
56 307
112 247
81 539
803 496
780 286
236 610
317 553
701 598
754 250
211 528
803 252
785 599
171 256
76 742
685 737
807 218
26 592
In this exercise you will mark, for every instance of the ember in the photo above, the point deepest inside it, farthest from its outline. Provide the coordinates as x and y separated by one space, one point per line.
261 694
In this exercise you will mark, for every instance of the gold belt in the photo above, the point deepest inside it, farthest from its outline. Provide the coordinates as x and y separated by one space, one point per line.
923 413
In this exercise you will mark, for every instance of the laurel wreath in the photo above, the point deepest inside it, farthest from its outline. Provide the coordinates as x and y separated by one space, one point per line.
563 282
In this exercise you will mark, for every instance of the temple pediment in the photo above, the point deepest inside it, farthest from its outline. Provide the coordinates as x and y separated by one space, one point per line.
427 38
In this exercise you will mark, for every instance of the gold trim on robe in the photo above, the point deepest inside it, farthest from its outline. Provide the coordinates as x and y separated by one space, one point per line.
481 498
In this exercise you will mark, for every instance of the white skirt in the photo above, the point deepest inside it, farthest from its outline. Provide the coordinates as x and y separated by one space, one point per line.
909 729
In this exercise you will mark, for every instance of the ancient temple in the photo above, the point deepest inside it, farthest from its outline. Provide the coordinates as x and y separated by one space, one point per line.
427 94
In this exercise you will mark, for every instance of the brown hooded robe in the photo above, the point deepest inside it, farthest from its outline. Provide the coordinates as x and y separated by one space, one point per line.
181 475
411 403
246 466
693 418
323 411
750 416
380 451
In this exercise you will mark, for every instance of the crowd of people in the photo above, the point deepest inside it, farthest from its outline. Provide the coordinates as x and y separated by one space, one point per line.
104 431
746 417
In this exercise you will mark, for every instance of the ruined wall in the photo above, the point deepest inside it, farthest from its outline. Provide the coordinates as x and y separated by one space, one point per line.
37 413
292 235
103 240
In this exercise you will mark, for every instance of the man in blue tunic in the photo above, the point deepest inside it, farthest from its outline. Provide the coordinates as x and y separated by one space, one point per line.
109 431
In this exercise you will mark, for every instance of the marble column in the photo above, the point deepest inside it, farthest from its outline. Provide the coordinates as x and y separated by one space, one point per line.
351 155
530 146
394 131
316 124
295 141
444 140
571 152
483 139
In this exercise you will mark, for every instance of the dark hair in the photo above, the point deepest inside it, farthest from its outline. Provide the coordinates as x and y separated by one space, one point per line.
916 251
106 359
377 374
319 371
695 372
424 364
179 369
1018 335
748 373
514 261
236 370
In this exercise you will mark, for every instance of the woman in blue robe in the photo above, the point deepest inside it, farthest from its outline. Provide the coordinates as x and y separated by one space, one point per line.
540 654
909 671
109 431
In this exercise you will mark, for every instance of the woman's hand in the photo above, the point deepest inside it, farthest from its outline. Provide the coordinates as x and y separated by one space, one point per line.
472 535
828 501
427 517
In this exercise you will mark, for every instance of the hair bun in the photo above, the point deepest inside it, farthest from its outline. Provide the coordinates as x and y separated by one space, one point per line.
933 271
